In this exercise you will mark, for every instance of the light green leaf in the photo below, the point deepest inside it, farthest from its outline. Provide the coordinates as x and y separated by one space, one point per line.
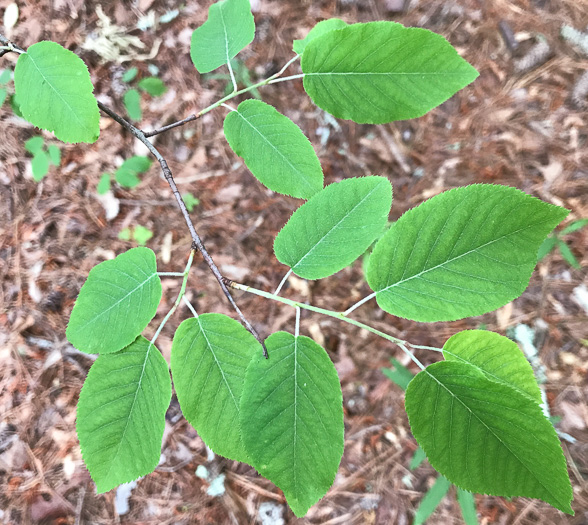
382 71
190 201
546 246
567 254
142 235
153 85
465 252
132 102
417 459
574 226
229 28
15 107
5 76
468 506
334 227
40 165
127 174
116 303
54 92
130 74
497 357
54 154
485 436
103 185
320 29
431 500
274 149
125 234
34 144
292 418
121 414
209 358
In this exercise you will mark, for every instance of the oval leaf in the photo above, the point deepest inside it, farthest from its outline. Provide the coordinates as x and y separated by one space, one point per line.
116 303
485 436
54 92
465 252
121 414
209 358
229 28
274 149
292 418
496 356
320 29
382 71
334 227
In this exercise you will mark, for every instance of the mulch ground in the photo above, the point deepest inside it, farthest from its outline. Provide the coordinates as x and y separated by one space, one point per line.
523 123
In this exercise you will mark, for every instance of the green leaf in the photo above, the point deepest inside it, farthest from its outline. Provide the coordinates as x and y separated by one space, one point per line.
567 254
5 76
153 85
418 457
486 437
3 94
142 235
121 414
54 154
132 102
40 165
465 252
399 375
546 246
319 29
34 144
334 227
382 71
127 174
103 185
209 358
54 92
431 500
15 107
292 418
574 226
125 234
274 149
116 303
468 506
229 28
130 75
497 357
190 201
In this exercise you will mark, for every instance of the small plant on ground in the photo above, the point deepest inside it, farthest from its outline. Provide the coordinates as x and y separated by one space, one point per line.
276 403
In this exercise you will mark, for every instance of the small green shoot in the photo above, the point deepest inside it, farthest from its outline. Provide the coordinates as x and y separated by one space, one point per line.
190 201
555 240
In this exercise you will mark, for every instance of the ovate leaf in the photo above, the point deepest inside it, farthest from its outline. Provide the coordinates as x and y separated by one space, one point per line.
121 414
320 29
229 28
116 303
40 165
496 356
486 437
274 149
54 92
292 418
132 102
210 355
382 71
334 227
465 252
34 144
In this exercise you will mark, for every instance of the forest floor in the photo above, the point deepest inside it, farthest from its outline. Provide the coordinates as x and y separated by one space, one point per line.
523 123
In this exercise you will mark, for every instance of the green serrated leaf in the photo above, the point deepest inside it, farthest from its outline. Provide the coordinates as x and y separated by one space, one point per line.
379 72
40 165
319 29
5 76
229 28
209 358
567 254
132 102
274 149
130 74
574 226
486 437
431 500
121 414
34 144
190 201
116 303
497 357
153 85
54 154
465 252
468 506
292 418
103 185
334 227
546 246
55 92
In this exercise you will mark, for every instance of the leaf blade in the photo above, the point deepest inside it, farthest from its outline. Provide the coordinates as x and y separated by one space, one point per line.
323 27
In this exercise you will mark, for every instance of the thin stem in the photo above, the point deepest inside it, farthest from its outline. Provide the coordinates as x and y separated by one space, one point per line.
297 326
196 240
170 274
359 303
284 79
283 281
227 106
235 88
190 307
286 66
